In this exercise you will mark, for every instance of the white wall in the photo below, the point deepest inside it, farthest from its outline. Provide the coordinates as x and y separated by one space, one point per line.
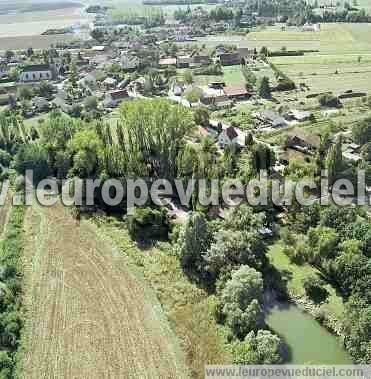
35 76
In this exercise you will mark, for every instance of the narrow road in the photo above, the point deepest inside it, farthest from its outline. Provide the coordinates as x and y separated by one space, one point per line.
89 316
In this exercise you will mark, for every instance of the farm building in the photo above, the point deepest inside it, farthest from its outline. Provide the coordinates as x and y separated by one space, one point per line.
227 59
236 92
269 118
299 140
183 61
299 116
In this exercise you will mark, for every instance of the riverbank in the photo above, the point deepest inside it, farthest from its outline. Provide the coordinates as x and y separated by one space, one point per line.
329 313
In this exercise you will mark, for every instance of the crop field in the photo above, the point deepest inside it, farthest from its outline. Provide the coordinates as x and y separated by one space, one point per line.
333 38
89 315
343 62
330 76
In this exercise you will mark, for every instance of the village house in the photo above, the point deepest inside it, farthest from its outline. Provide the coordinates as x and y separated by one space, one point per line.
237 92
270 119
167 62
183 61
114 98
214 96
227 59
200 58
110 83
36 72
302 141
247 55
300 116
98 49
228 137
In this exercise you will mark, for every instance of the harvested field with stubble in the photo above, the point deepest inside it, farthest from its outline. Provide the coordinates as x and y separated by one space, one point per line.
88 315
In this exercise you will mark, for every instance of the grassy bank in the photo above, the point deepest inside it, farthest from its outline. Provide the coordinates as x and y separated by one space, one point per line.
187 307
11 315
330 312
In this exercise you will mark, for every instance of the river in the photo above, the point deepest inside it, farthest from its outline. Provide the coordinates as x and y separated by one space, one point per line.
308 342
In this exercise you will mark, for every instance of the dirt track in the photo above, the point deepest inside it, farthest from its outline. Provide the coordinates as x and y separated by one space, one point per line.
89 316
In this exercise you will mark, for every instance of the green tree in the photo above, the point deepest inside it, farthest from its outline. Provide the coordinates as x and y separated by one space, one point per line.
201 116
262 347
264 89
334 161
322 244
232 249
85 148
188 76
328 100
9 54
91 103
32 157
194 241
338 218
361 131
25 93
30 52
366 152
6 365
45 89
314 288
151 136
240 298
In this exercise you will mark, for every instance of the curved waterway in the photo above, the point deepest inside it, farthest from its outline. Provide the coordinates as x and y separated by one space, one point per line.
308 342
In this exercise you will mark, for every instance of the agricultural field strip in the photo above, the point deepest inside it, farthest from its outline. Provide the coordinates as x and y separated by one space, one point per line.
89 317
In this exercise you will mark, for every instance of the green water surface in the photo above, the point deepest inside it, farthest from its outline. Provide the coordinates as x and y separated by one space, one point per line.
307 340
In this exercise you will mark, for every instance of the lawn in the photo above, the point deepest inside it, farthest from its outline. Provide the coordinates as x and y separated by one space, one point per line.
233 75
295 274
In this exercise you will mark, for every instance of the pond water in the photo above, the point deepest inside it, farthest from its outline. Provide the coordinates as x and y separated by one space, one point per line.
308 342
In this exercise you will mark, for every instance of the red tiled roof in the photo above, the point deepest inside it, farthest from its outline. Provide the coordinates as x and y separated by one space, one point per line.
235 91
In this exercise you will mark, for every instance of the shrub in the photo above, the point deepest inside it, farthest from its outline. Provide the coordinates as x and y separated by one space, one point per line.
148 224
328 100
314 288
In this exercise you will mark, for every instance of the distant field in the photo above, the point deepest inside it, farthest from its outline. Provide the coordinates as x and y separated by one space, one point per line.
342 63
323 75
37 42
333 38
34 23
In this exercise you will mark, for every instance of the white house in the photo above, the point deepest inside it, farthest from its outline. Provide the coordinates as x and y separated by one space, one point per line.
228 137
36 72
